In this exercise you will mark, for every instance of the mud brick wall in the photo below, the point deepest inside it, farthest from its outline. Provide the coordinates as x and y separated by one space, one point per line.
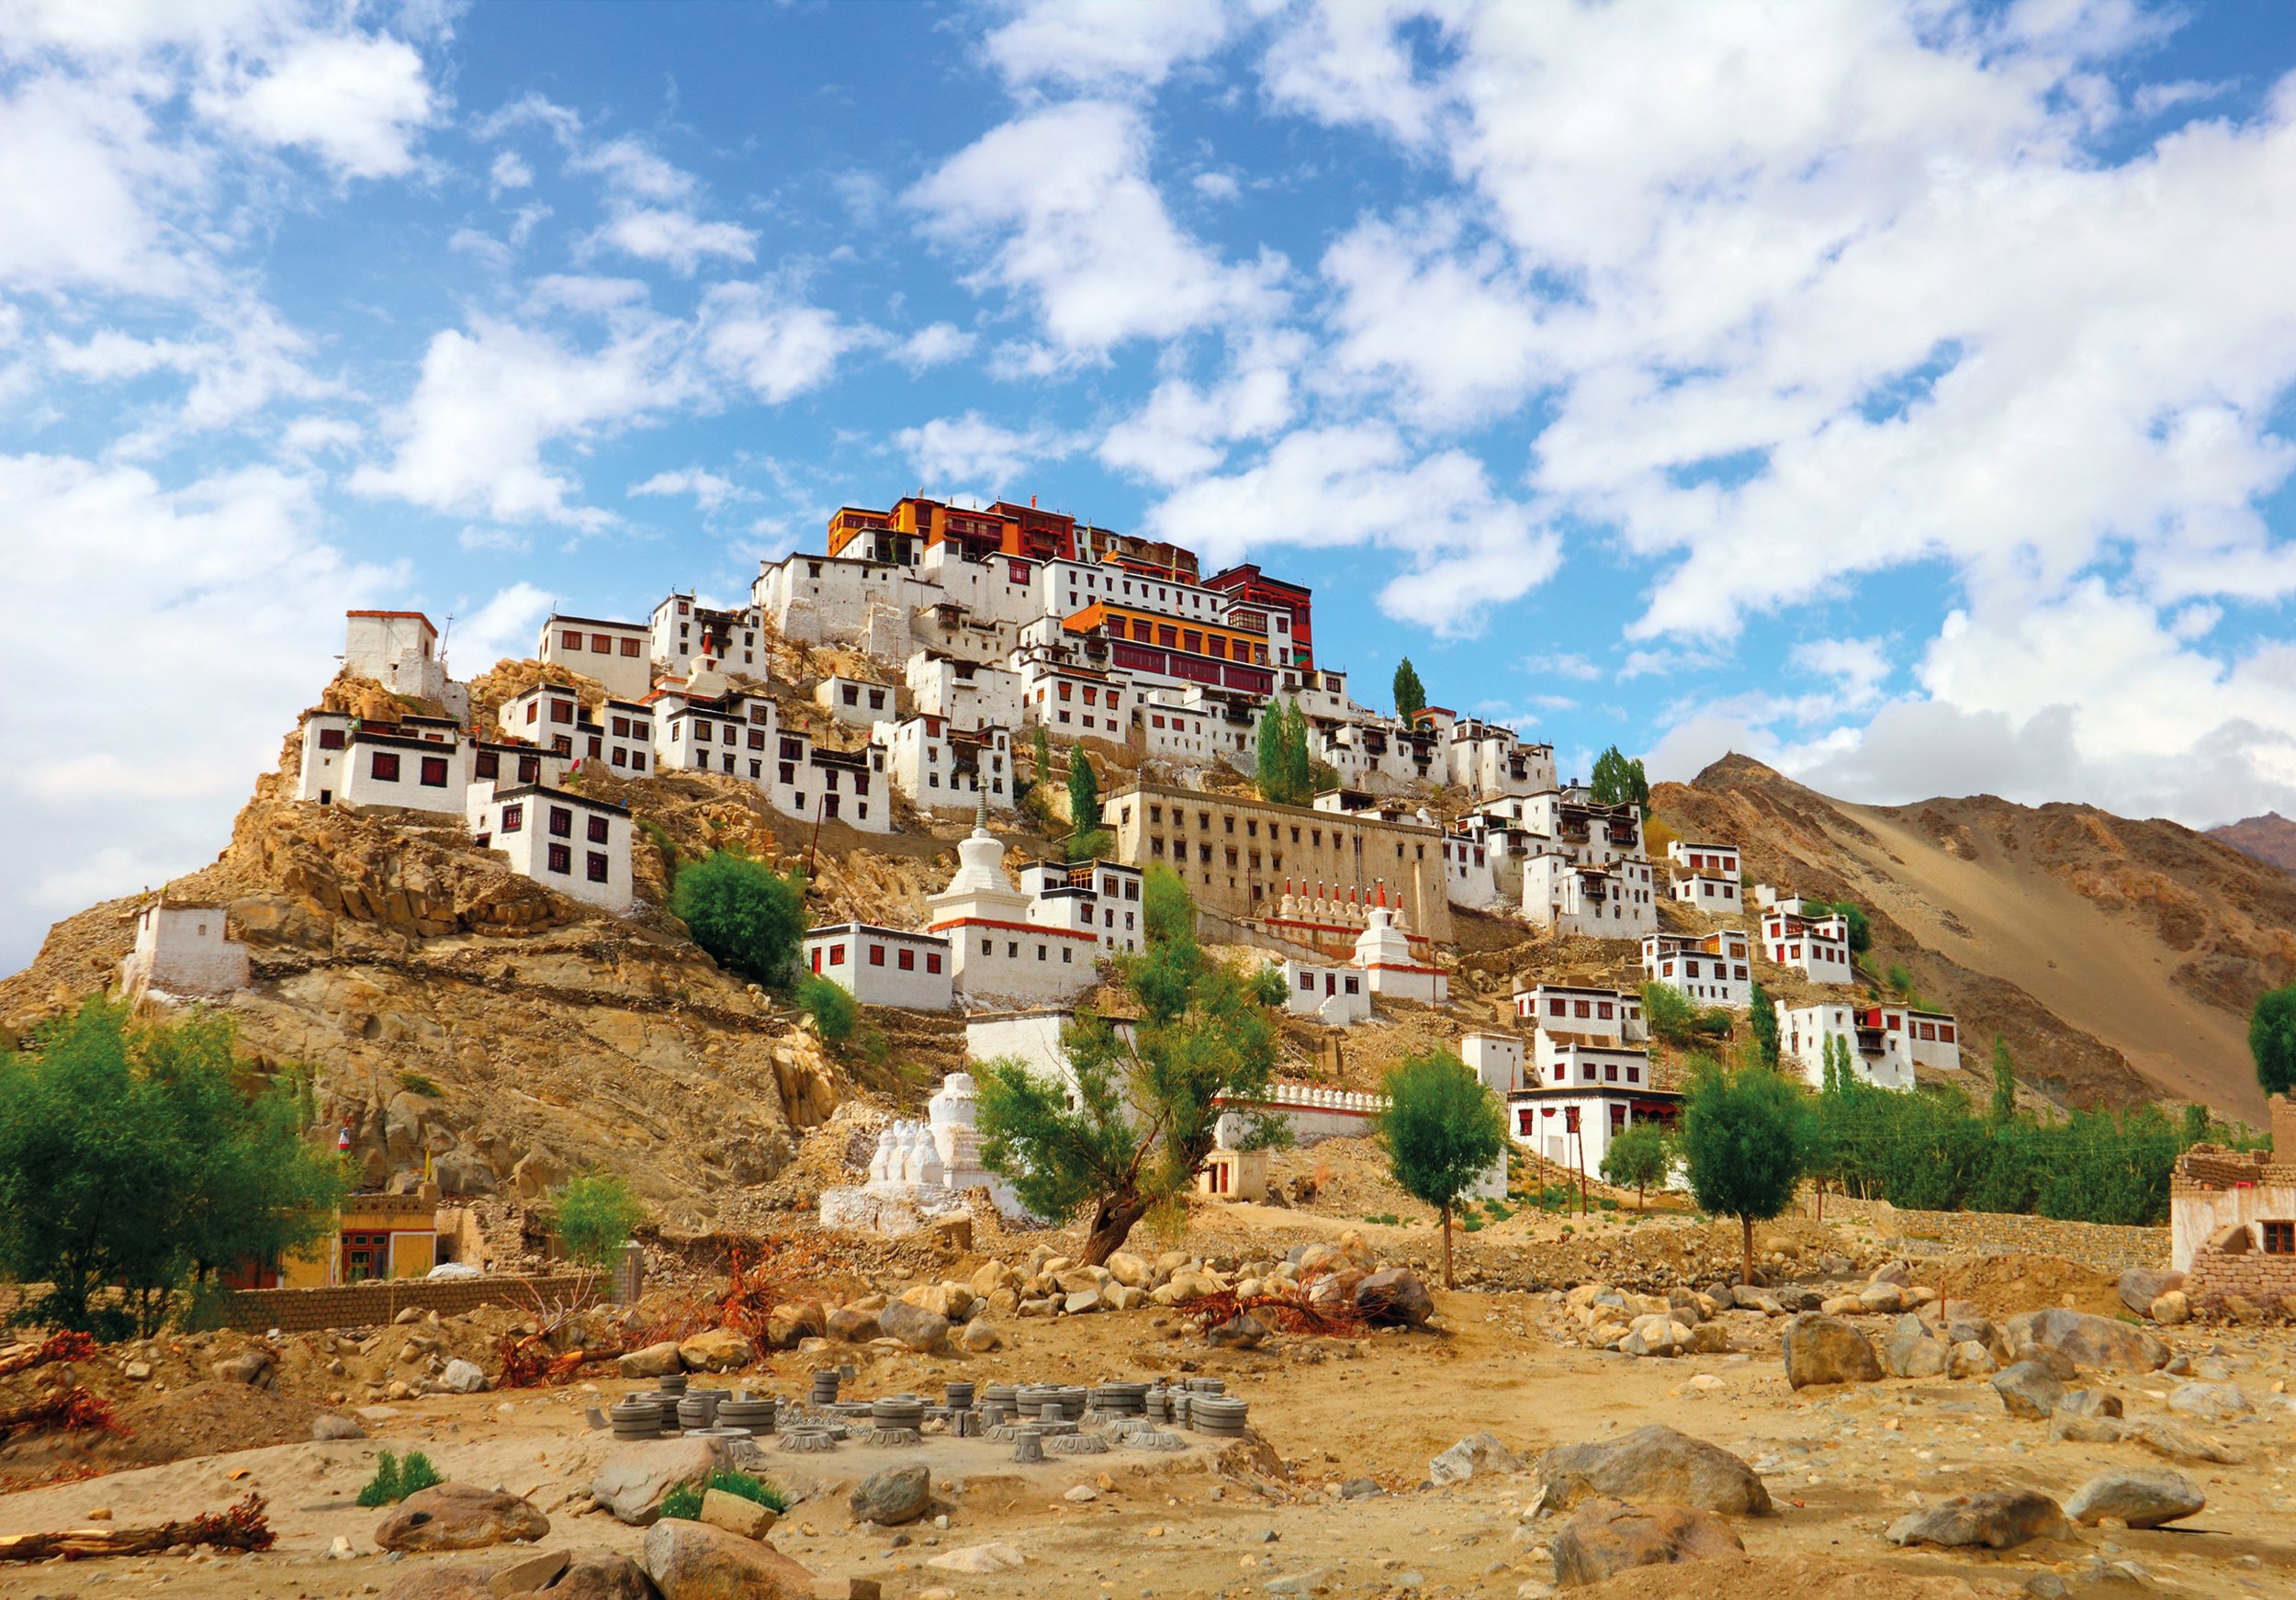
2250 1274
367 1305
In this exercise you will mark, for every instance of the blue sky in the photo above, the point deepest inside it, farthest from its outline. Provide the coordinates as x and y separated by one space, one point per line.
1900 393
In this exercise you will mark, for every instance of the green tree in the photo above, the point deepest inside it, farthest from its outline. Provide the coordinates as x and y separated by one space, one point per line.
1137 1115
1411 694
1637 1156
1041 766
1084 793
1762 1023
1744 1141
594 1213
1285 772
1620 781
1861 926
151 1159
2272 1041
1668 1014
749 918
2004 1108
830 1006
1442 1131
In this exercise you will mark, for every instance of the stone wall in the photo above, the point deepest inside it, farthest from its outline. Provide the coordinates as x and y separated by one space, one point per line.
367 1305
2098 1245
2250 1274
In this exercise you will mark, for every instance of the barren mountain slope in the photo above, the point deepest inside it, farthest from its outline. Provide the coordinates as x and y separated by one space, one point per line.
2270 837
2118 959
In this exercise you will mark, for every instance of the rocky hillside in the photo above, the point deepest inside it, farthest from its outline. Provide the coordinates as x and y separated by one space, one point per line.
2118 959
2270 837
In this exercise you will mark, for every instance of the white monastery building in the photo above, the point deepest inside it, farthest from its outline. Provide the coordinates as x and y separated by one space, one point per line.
618 655
1887 1042
1817 947
183 950
1712 969
883 967
575 844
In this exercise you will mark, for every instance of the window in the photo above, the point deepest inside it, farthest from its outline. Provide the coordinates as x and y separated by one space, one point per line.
629 647
561 859
598 826
570 640
932 958
489 764
836 955
598 866
530 769
877 955
561 711
383 768
908 961
561 822
513 819
331 739
2280 1238
435 772
601 645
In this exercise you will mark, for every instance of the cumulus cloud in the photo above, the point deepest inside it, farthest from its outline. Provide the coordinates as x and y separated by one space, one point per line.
1100 44
934 345
708 489
649 210
971 449
356 101
777 347
506 625
1073 222
1183 431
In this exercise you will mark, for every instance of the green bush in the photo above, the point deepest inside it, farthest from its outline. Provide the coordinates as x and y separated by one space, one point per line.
416 1083
832 1010
592 1214
395 1480
749 918
1669 1013
1385 1219
684 1502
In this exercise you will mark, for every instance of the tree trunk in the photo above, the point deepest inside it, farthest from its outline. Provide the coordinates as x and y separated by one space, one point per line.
1448 1281
1748 1224
1112 1222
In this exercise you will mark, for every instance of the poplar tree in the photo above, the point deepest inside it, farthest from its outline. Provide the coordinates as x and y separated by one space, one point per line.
1442 1131
1411 694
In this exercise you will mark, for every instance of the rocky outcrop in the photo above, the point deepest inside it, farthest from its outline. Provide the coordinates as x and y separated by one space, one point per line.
1653 1463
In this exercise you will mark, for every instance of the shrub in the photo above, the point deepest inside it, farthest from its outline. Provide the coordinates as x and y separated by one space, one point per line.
830 1008
1746 1144
594 1213
1669 1013
749 918
1098 844
1385 1219
395 1480
684 1502
2272 1041
416 1472
416 1083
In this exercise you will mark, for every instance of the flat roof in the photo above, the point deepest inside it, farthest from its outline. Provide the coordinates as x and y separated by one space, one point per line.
850 929
638 627
546 792
416 614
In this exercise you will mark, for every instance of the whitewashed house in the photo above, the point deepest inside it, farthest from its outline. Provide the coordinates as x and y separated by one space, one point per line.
1718 896
1817 948
346 763
1332 994
617 655
183 950
967 694
400 649
860 701
1711 969
1716 860
1486 758
1002 952
883 967
941 768
629 726
1933 1039
1601 901
1100 898
574 843
1880 1052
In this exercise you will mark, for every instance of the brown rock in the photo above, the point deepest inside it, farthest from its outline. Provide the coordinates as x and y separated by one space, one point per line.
691 1560
1999 1520
1605 1537
653 1361
527 1575
1394 1296
1652 1463
716 1350
737 1515
2086 1340
794 1321
1823 1349
435 1584
459 1516
602 1575
853 1326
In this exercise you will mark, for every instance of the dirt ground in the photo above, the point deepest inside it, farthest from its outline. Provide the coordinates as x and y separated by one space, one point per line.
1841 1463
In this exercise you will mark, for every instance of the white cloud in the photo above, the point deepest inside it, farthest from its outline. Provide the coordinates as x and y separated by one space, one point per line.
1103 44
1342 62
646 214
507 625
778 348
1562 664
219 582
88 189
934 345
470 440
356 101
1322 488
708 489
1216 185
1182 431
1860 667
970 450
1080 229
509 171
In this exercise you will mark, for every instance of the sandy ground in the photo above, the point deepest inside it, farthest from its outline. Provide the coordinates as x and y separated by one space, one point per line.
1842 1464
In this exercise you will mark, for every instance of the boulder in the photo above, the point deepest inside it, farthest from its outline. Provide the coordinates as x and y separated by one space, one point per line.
1358 1250
329 1426
1998 1520
2212 1402
1241 1332
792 1322
459 1516
2089 1403
602 1575
527 1575
1318 1258
1476 1453
1605 1537
978 1338
1884 1298
1082 1302
1394 1296
914 1326
1911 1351
949 1299
991 1277
630 1483
2141 1286
1823 1349
1747 1297
1334 1291
737 1515
2141 1497
434 1585
462 1377
1971 1360
1652 1463
247 1367
691 1560
854 1326
716 1350
891 1497
2171 1308
2028 1389
2086 1340
653 1361
1129 1270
